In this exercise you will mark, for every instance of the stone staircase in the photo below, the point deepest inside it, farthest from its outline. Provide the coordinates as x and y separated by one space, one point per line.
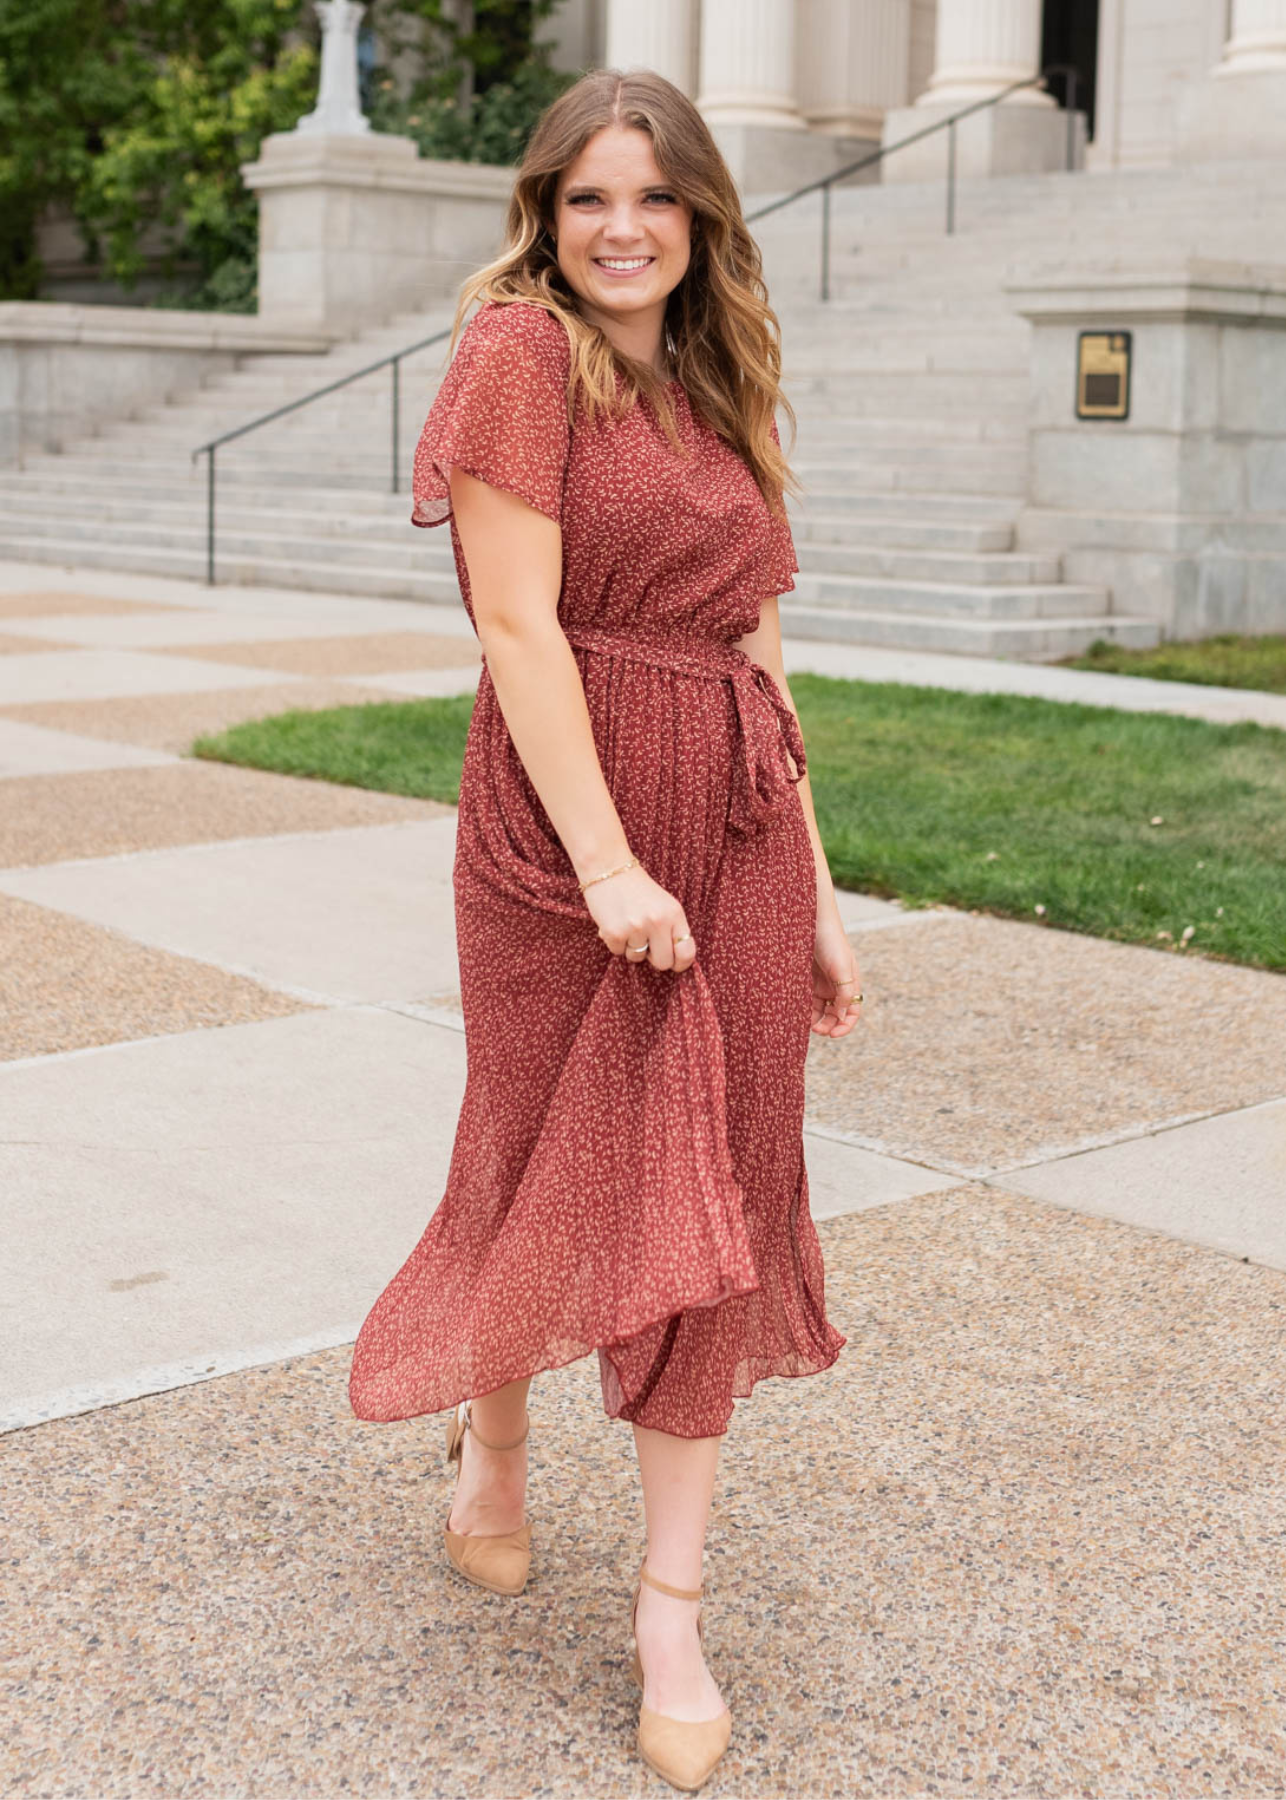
910 388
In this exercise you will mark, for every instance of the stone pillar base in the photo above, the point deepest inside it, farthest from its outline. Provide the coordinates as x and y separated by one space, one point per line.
1232 115
1006 139
768 159
1174 508
354 229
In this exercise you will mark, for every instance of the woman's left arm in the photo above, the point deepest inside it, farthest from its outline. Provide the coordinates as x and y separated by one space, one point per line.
836 977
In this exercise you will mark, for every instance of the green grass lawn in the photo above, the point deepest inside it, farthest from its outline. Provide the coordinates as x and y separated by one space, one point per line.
1141 827
1229 660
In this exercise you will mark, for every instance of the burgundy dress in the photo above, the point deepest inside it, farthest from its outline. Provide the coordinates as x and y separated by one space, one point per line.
627 1174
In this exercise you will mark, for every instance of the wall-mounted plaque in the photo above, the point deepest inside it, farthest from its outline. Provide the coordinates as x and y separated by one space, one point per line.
1103 375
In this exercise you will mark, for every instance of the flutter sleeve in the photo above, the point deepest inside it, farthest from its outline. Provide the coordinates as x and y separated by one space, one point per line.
500 413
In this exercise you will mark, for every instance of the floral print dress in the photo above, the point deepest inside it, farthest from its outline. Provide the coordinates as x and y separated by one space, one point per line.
628 1174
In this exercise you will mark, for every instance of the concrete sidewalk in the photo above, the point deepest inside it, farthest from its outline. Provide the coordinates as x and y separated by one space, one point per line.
1051 1173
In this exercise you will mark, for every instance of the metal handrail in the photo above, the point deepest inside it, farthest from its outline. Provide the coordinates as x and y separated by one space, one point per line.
392 361
823 184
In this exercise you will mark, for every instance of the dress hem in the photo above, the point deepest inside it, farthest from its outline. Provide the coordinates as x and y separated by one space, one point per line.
739 1392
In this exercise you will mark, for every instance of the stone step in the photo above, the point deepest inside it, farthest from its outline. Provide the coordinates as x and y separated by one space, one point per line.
181 505
844 430
834 503
177 479
986 474
863 558
165 479
1018 640
356 514
245 571
396 543
959 600
916 532
993 471
394 547
1028 639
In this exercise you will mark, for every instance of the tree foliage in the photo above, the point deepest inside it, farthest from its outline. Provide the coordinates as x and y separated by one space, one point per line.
136 116
478 89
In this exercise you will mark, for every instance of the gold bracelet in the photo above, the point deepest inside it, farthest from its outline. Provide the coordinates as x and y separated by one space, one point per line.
582 885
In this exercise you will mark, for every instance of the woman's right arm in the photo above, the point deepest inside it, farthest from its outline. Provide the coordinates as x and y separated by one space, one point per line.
513 554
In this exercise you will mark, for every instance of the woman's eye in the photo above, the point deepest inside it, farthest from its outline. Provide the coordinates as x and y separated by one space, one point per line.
576 199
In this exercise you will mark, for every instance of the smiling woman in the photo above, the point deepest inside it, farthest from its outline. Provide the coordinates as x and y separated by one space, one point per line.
647 928
623 238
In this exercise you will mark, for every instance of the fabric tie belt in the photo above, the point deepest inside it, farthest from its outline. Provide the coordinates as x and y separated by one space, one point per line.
762 779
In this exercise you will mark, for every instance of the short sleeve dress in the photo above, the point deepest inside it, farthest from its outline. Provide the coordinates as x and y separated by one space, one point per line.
627 1174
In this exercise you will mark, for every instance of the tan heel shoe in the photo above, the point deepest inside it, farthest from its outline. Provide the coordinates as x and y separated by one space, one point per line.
498 1561
683 1752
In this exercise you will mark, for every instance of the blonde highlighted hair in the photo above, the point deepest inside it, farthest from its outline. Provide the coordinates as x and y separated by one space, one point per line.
726 337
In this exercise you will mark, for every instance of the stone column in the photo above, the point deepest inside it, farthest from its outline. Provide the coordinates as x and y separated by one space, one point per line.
1257 44
747 90
853 62
660 35
1241 110
982 46
748 63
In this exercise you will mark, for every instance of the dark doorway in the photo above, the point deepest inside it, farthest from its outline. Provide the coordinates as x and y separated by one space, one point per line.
1069 34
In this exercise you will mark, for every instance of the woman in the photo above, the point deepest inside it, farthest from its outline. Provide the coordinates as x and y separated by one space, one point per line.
647 928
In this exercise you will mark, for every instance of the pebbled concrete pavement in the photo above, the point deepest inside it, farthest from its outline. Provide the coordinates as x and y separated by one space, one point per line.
1024 1539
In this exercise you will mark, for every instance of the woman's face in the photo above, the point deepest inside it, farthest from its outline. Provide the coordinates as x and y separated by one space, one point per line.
623 234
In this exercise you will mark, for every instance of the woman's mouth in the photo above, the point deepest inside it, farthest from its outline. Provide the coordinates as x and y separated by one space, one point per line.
620 268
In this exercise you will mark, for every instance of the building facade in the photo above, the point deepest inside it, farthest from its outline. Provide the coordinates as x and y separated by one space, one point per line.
793 88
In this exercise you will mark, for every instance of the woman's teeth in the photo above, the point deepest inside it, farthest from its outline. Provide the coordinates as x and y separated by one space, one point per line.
623 265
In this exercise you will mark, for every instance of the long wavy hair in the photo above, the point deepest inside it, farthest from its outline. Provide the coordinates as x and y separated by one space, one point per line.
726 340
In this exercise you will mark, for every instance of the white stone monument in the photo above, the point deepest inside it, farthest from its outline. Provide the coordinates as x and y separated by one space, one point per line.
338 112
354 224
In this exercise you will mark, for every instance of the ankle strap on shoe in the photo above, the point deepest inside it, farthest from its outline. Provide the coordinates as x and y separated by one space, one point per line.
486 1444
663 1587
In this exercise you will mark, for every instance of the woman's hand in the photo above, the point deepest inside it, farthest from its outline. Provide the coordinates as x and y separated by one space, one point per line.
631 908
836 977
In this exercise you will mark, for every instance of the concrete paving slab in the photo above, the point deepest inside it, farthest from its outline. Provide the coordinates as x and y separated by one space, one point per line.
286 603
18 643
194 1195
1023 1539
423 684
111 674
197 630
36 750
174 721
989 1043
115 812
987 675
354 654
20 604
843 1178
1219 1181
65 985
350 915
864 912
